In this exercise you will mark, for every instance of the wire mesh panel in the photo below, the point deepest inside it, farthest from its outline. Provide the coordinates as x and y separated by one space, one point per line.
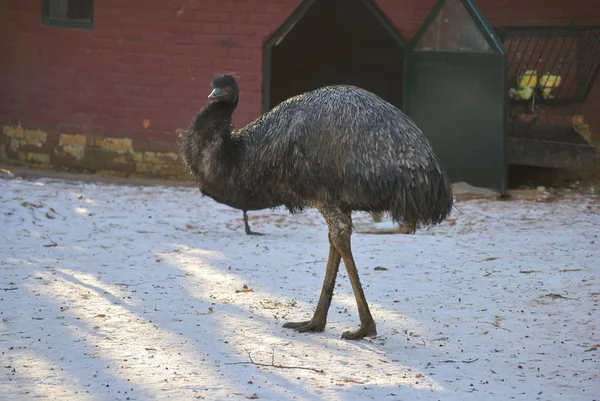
553 64
549 66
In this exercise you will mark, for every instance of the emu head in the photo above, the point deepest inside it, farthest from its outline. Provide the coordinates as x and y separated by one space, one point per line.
225 89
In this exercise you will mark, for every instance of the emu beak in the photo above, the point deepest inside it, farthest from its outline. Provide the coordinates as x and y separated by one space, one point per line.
215 93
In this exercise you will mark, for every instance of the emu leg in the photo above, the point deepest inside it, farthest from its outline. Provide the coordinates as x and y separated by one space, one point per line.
247 226
319 319
340 229
367 324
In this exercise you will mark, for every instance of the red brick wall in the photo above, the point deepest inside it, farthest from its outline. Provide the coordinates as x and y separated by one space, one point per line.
153 60
144 59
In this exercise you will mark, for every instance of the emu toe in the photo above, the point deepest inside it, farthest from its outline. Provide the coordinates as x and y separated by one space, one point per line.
306 326
250 232
364 331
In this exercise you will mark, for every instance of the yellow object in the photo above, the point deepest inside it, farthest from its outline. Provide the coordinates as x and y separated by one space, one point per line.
524 93
547 83
577 120
528 79
550 81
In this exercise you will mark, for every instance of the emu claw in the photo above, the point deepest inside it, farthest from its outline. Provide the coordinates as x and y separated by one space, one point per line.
250 232
303 327
368 331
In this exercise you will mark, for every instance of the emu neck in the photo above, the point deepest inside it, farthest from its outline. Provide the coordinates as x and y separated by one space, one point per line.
220 161
214 120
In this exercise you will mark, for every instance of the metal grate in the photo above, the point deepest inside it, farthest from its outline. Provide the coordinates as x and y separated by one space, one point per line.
559 64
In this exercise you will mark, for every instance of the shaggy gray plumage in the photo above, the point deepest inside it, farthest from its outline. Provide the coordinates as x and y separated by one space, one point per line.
337 148
335 145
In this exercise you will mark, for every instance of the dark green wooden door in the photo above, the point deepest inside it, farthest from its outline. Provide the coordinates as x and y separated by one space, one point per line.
458 100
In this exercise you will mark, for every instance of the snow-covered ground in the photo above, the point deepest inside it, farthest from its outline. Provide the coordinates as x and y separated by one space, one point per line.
112 292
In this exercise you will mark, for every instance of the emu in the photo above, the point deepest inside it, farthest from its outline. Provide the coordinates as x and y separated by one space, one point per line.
338 149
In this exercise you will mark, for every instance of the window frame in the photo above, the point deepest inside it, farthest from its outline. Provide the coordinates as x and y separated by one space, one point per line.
65 23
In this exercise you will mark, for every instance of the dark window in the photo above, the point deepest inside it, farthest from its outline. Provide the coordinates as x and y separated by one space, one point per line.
68 13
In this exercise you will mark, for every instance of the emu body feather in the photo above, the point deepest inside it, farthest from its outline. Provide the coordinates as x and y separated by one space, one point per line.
336 144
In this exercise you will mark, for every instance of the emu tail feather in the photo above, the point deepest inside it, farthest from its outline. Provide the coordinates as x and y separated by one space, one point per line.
427 200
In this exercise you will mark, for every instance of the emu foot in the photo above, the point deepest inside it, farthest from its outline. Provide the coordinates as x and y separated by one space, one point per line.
302 327
247 226
250 232
365 331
